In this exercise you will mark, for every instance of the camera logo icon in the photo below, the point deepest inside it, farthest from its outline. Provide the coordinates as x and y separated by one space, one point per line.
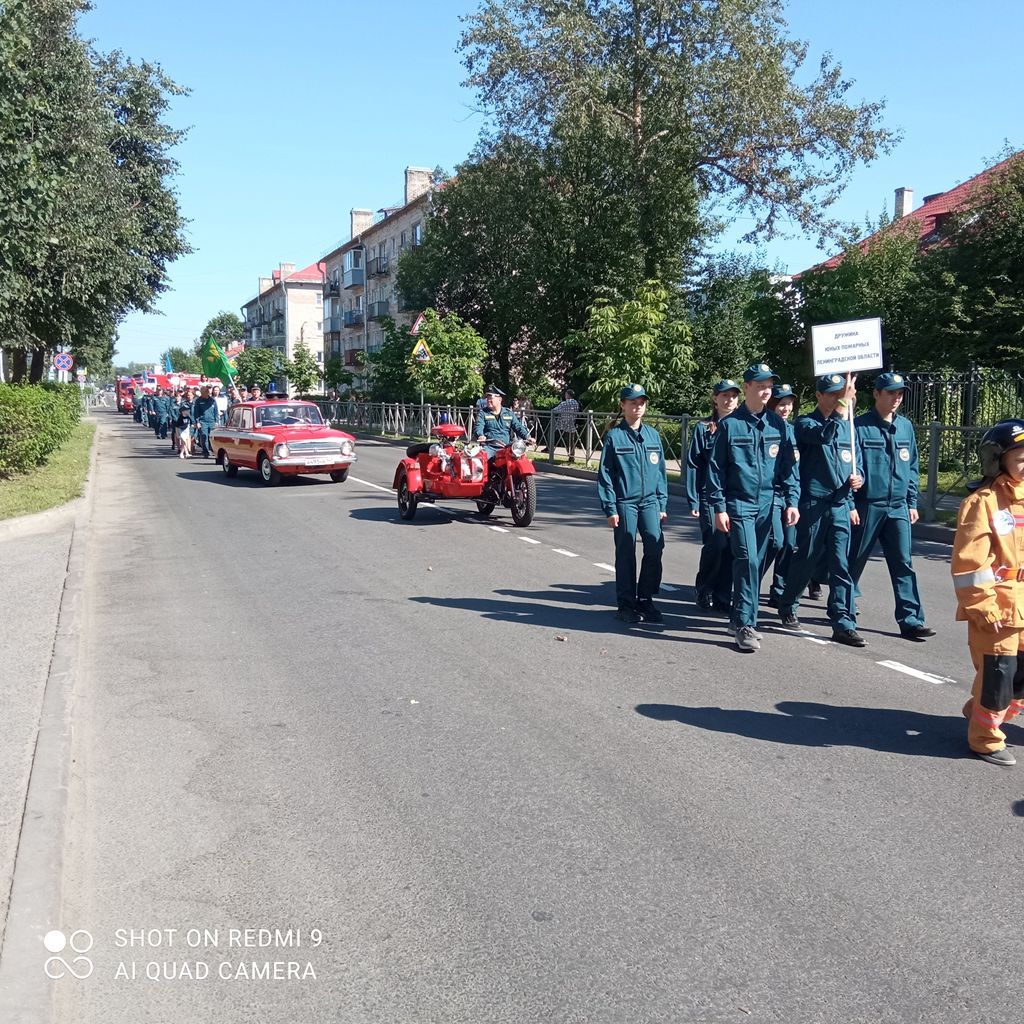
56 942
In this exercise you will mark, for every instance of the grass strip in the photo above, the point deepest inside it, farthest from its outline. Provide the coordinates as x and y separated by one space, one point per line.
59 480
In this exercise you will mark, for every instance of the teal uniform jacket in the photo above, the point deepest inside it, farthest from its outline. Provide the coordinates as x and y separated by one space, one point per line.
162 408
697 462
632 469
889 461
751 456
825 459
204 410
498 427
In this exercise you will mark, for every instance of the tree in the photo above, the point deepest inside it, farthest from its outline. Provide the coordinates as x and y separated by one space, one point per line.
89 221
302 371
389 368
635 340
225 328
182 360
702 99
335 374
257 366
457 354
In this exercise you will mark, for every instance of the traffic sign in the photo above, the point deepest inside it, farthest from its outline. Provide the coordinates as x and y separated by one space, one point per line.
63 361
421 352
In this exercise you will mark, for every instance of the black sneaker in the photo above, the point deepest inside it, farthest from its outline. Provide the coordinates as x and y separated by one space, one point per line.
789 620
725 607
814 592
628 615
850 637
705 601
1003 757
648 613
916 632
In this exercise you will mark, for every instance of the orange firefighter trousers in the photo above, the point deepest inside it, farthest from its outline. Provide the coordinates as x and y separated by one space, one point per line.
997 696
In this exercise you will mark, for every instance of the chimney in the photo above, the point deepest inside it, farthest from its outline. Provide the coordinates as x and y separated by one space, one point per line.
904 202
265 283
417 181
361 220
287 269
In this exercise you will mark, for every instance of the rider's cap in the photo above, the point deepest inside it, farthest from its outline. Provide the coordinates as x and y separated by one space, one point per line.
758 371
725 384
830 383
782 391
494 390
891 381
631 391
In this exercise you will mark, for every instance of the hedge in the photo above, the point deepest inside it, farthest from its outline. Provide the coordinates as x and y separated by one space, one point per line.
35 419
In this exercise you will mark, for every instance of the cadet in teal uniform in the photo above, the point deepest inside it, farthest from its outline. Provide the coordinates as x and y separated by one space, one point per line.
783 540
887 503
827 512
632 486
204 416
162 414
714 573
495 426
751 457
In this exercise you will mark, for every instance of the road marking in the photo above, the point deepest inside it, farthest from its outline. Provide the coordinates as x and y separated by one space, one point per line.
368 484
529 540
669 588
562 551
498 529
916 673
605 566
814 639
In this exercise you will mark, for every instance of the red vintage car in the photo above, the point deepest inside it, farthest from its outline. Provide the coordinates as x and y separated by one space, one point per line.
279 439
452 468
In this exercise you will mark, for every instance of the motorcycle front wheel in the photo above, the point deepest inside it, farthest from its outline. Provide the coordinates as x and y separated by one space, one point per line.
524 501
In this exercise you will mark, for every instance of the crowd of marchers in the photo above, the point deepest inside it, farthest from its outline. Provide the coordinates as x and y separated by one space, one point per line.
809 498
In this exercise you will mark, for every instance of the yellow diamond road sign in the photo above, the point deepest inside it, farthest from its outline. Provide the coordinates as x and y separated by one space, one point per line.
420 352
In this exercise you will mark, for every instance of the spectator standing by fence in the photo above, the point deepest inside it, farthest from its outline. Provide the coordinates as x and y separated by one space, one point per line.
563 419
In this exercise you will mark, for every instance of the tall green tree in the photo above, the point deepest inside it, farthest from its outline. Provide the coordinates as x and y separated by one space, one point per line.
225 328
302 370
458 353
258 366
388 368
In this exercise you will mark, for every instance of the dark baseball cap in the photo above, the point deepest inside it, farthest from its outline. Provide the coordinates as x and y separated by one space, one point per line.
782 391
891 381
631 391
725 384
758 371
830 383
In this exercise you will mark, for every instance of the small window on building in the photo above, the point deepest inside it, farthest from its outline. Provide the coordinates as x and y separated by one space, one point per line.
417 233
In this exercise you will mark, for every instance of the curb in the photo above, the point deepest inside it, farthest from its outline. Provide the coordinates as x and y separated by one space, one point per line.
36 887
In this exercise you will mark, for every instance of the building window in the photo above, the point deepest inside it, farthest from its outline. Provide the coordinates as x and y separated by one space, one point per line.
353 259
417 233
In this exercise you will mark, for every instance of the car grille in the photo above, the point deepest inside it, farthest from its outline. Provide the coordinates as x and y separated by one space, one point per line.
314 447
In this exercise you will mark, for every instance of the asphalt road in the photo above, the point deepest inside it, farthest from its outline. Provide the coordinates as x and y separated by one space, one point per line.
432 743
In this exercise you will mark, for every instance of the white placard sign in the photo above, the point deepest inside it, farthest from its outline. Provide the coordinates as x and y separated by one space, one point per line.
847 347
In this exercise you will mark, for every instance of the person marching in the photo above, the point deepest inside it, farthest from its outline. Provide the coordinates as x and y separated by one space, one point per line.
751 456
988 575
887 503
204 419
632 486
783 539
162 414
714 573
827 512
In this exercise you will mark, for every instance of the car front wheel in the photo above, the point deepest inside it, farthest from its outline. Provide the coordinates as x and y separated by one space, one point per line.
339 476
270 476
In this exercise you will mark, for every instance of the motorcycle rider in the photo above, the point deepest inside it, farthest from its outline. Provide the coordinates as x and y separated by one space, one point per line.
495 426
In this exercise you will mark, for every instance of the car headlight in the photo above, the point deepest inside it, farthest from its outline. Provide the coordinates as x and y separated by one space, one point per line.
281 451
518 447
472 450
347 448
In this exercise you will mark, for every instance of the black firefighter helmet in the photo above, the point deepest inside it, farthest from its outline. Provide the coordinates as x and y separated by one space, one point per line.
1003 437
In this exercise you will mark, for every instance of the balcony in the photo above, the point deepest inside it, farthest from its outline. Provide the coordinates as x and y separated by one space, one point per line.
332 324
354 277
352 356
378 266
332 288
378 309
353 317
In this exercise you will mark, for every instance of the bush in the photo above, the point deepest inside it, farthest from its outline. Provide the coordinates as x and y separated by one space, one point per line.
35 419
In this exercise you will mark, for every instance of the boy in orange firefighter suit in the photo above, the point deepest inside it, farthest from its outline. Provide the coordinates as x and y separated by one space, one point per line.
988 574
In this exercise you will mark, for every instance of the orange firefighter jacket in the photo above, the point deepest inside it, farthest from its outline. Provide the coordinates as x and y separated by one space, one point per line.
988 555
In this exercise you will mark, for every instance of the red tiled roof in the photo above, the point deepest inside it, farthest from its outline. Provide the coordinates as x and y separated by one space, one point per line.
314 272
929 216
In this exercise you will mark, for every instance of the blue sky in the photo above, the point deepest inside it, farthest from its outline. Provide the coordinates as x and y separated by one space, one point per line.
299 112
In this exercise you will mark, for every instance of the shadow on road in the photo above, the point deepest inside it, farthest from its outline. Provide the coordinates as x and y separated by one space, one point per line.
806 724
389 514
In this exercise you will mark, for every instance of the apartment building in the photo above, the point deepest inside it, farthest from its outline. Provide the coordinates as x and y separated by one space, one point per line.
359 276
287 311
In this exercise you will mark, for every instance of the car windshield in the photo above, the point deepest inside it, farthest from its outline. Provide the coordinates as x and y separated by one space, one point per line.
284 414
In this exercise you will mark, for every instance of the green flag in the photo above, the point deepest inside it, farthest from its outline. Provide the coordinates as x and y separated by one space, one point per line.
215 363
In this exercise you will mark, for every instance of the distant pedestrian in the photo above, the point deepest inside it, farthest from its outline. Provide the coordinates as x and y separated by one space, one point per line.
988 574
632 486
564 417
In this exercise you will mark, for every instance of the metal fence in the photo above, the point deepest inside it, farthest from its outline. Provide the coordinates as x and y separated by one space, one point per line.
965 398
563 438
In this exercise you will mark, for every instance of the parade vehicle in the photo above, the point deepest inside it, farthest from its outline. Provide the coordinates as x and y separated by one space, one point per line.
452 467
279 439
125 395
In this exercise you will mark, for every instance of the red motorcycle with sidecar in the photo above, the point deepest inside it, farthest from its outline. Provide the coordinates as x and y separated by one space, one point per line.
451 467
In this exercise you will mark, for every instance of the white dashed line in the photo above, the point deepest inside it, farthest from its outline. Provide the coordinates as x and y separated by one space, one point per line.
368 484
498 529
562 551
668 587
916 673
529 540
814 639
607 567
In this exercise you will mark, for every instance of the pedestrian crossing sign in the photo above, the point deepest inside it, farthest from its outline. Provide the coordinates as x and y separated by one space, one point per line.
421 352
